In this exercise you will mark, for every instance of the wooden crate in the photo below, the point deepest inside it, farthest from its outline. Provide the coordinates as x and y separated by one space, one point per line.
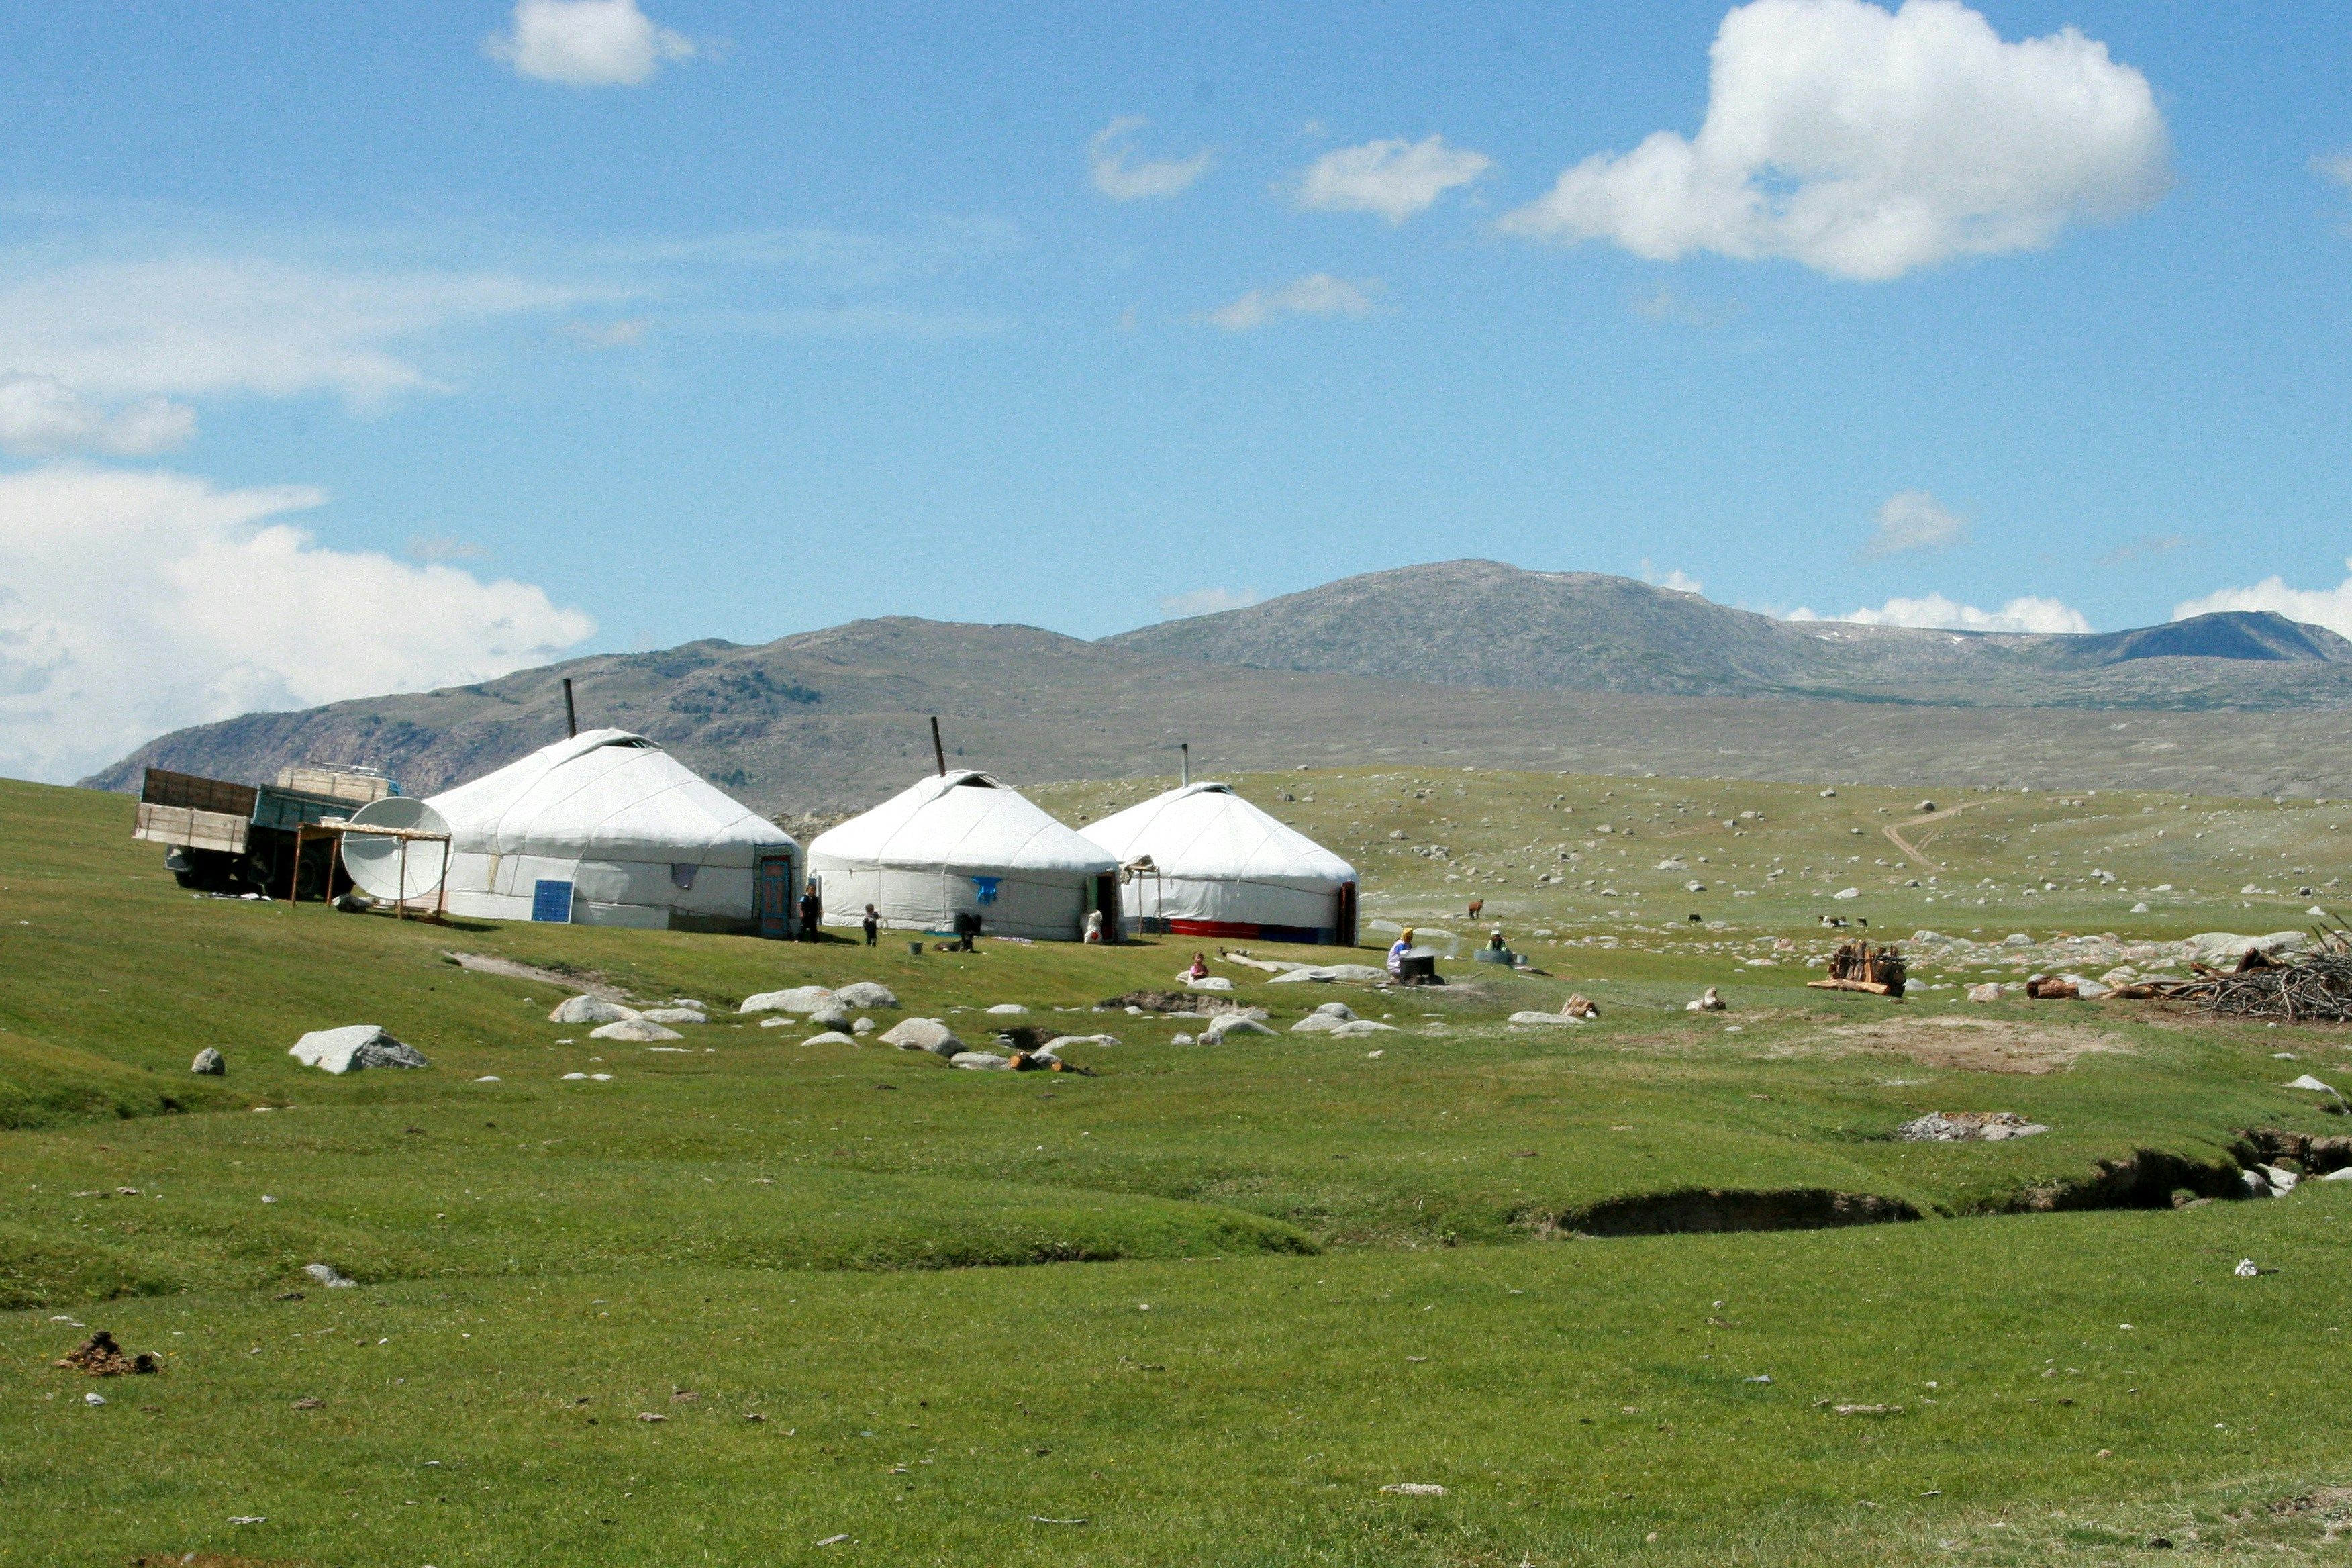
192 829
357 788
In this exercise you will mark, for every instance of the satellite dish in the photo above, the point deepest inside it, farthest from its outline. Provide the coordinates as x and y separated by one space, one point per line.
374 859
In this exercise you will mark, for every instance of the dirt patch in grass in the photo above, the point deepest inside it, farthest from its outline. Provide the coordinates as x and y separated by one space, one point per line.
1976 1045
585 981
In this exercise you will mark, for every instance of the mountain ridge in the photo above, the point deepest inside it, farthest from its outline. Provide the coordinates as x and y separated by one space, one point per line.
833 719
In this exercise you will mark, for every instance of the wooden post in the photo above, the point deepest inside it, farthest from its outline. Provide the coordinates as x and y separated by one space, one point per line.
938 747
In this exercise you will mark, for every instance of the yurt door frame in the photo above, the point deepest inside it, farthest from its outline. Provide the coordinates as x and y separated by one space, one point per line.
772 896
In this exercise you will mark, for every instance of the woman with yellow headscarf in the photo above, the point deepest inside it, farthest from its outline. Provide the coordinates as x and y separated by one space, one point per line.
1396 953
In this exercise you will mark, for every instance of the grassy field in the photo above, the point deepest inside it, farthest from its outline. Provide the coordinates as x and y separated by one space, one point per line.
1273 1276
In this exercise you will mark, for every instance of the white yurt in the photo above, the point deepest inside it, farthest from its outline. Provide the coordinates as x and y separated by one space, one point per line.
964 843
606 828
1217 866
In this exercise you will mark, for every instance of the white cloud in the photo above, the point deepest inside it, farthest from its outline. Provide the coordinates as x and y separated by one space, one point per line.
41 416
2022 615
1319 294
198 325
133 602
1394 178
1209 601
1916 521
2335 166
1106 156
1864 144
2329 607
586 43
1678 581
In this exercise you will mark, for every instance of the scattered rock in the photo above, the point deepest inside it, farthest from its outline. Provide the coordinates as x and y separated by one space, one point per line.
1054 1044
1867 1409
1414 1489
1357 1028
1016 1007
799 999
640 1030
2245 1269
1988 991
2282 1180
355 1046
1225 1025
831 1037
209 1062
863 1027
99 1357
650 1416
866 994
1206 983
1534 1017
832 1015
307 1403
1968 1127
981 1061
1710 1001
2309 1082
590 1010
922 1034
674 1015
327 1275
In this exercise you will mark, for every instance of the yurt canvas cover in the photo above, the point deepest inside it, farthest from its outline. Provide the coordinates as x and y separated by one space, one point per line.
606 828
1219 866
964 842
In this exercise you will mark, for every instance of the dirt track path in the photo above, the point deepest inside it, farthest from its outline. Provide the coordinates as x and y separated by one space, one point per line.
1894 831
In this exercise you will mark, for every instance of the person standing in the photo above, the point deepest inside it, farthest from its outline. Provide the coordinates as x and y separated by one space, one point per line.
873 924
812 912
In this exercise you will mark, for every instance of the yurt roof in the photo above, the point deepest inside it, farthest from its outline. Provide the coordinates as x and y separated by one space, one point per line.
1205 830
960 818
604 791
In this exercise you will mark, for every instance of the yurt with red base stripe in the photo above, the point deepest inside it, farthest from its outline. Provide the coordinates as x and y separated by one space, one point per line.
1201 861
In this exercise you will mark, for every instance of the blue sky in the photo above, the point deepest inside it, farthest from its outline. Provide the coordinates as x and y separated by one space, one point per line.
345 348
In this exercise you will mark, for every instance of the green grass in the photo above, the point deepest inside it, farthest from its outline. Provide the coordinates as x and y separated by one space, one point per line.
794 1231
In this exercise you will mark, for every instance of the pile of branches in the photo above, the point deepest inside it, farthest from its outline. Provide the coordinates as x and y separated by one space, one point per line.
1860 966
2313 987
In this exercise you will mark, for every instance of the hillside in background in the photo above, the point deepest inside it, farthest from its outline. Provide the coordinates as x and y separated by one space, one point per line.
1465 663
1479 623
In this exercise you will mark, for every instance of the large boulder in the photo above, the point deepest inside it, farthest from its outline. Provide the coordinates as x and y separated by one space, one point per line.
831 1037
799 999
209 1062
865 994
355 1046
1225 1025
1206 983
674 1015
832 1015
1357 1028
922 1034
590 1010
642 1030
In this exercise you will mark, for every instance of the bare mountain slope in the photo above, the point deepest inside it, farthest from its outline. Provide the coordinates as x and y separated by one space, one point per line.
832 721
1480 622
